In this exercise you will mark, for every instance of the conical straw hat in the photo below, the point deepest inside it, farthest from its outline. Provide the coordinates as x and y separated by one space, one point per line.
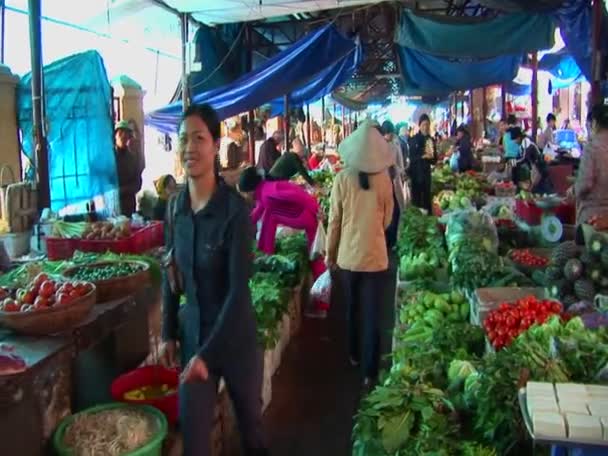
366 150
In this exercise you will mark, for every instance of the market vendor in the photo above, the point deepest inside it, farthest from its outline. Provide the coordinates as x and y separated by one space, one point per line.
318 154
532 161
548 136
591 187
291 164
282 203
465 149
128 168
210 235
165 186
423 154
270 151
511 148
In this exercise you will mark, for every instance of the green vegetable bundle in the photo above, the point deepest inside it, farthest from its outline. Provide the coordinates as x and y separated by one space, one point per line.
473 266
270 304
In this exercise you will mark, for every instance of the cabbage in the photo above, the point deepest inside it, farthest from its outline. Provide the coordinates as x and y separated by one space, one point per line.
460 370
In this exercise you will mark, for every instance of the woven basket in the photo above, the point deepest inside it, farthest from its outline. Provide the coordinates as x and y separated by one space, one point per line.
117 287
53 320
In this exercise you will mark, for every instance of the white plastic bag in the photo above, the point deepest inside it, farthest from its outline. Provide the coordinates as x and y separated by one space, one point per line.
321 289
318 245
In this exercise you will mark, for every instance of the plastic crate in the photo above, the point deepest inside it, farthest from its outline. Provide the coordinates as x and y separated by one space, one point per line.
528 212
60 248
141 240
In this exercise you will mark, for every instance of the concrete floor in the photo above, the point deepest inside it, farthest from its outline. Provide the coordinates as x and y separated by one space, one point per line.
316 392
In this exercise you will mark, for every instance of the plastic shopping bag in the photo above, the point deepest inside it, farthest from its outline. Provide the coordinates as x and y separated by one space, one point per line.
321 289
318 245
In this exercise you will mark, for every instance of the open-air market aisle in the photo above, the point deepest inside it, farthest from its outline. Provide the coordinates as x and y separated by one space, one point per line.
316 391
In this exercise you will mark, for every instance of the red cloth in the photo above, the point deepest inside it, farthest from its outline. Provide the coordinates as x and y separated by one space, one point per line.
314 162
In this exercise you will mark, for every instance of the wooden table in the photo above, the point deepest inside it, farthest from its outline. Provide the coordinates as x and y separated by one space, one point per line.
69 372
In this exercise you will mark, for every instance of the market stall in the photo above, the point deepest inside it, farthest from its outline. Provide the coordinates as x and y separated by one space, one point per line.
482 315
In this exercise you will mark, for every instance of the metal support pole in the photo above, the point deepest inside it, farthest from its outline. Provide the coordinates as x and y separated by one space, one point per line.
2 28
504 101
534 95
251 113
286 125
343 123
484 112
185 82
42 159
323 121
308 127
596 61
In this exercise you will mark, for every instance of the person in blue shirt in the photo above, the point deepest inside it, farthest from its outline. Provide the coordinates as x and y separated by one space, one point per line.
511 148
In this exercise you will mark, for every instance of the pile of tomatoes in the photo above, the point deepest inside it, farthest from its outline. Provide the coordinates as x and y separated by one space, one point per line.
503 324
43 293
526 257
505 185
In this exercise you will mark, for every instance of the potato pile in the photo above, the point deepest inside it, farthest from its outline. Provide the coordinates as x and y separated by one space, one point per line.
106 231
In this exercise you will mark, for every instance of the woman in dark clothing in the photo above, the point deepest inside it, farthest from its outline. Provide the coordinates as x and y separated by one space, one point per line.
423 153
534 161
465 149
210 237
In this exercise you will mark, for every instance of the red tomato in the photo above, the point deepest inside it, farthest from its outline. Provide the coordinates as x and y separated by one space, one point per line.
10 305
41 303
40 279
47 288
27 308
64 299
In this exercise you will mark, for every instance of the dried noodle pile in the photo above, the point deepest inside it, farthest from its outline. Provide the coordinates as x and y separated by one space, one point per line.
109 432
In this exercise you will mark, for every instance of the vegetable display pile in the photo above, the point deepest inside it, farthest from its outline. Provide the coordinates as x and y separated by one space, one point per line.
420 245
106 231
43 293
442 178
149 392
109 432
93 273
508 321
434 308
526 257
449 200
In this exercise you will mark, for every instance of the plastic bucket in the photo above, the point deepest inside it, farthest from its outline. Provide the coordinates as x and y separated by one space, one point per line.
153 448
146 376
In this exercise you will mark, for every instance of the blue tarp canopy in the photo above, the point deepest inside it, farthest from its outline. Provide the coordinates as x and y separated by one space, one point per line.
323 83
507 34
79 128
574 18
282 74
425 74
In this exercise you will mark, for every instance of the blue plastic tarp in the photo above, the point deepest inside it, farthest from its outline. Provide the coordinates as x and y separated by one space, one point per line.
79 128
284 73
323 83
575 25
425 73
509 34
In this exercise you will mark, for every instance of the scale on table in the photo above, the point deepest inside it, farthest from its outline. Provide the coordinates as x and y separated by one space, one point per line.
551 228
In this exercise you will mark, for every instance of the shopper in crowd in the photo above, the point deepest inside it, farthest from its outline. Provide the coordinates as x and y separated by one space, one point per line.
548 136
209 238
361 210
511 148
286 204
400 148
566 124
165 187
591 187
465 149
270 151
318 154
128 168
423 154
502 129
291 164
531 164
259 137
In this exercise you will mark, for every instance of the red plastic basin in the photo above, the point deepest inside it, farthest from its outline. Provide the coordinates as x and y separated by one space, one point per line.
146 376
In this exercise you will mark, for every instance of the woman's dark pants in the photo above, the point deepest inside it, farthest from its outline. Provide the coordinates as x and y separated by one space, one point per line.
362 293
243 376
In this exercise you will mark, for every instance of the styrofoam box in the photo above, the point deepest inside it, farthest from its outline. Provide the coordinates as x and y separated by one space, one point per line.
573 407
605 427
597 391
554 420
584 427
570 390
539 389
598 407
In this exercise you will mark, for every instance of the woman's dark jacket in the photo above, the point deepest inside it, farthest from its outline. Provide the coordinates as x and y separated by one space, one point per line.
465 149
213 252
